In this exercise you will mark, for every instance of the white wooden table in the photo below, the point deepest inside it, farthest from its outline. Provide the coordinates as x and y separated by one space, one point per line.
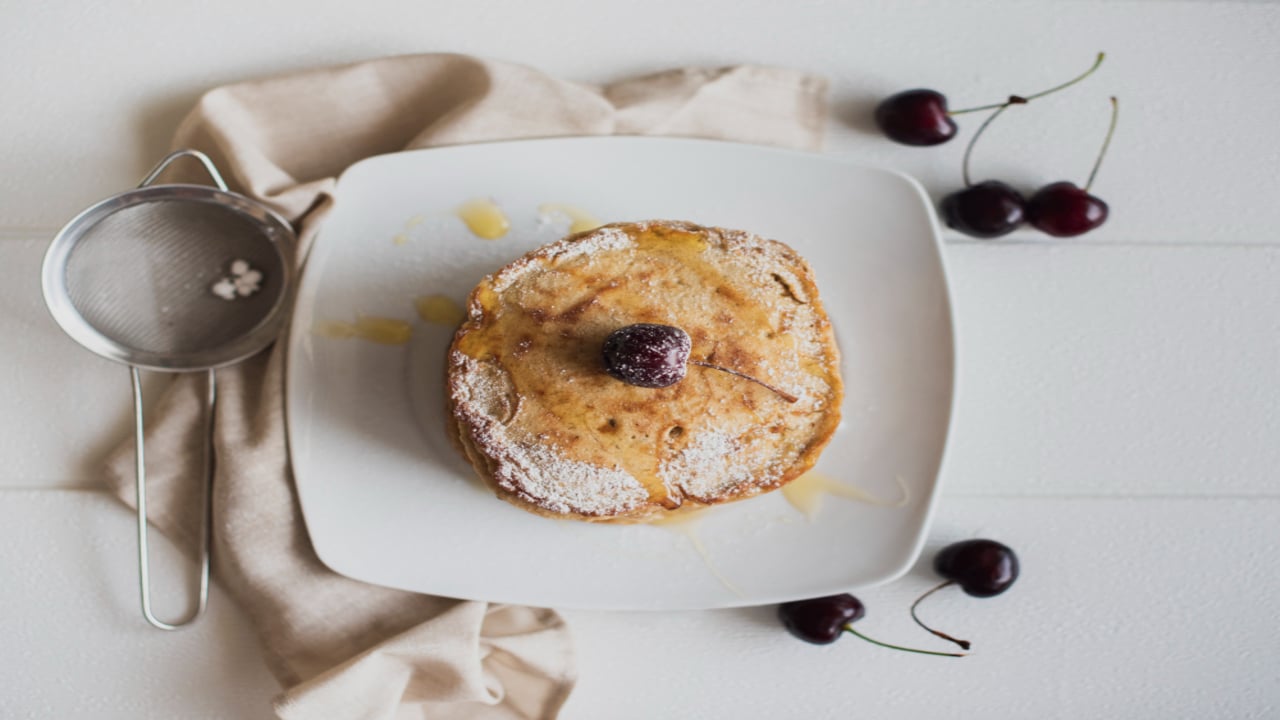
1119 417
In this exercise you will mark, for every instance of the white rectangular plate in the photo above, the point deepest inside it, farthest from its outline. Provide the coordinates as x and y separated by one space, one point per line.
386 498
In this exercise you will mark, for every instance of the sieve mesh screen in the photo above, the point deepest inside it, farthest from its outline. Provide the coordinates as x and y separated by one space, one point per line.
142 276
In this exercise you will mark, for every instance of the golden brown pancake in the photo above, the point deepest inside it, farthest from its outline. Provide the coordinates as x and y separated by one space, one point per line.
549 430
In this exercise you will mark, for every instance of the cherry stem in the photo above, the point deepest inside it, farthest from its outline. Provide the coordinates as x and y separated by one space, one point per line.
1111 130
962 643
964 166
781 393
1021 99
849 629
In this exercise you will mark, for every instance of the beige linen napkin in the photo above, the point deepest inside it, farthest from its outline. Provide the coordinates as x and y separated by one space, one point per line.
342 648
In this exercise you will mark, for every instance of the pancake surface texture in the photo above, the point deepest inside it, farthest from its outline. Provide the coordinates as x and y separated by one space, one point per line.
547 429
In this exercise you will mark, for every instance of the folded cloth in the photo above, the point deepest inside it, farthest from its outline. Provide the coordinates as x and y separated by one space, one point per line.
341 648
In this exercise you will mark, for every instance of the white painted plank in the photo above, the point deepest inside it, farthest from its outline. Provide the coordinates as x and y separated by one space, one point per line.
1116 370
1084 370
1126 608
95 90
75 644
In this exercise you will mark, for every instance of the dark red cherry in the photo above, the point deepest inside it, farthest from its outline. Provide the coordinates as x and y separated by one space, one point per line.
647 355
656 356
986 210
982 568
821 620
916 117
1063 210
921 117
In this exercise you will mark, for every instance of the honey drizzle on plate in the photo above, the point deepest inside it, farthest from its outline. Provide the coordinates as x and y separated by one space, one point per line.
685 523
381 330
402 237
439 310
579 220
805 493
484 218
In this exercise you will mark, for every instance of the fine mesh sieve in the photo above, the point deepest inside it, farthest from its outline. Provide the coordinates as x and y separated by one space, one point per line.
175 278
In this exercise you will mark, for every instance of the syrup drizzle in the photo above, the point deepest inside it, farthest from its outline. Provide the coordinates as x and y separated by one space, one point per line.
484 218
439 310
579 220
402 237
686 524
381 330
805 493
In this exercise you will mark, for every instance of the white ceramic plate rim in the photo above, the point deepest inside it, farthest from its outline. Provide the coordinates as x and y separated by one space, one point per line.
307 292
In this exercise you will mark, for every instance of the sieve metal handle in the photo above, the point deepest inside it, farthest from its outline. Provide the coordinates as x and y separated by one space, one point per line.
178 154
206 525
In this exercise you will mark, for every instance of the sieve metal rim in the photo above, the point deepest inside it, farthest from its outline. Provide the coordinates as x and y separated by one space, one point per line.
58 300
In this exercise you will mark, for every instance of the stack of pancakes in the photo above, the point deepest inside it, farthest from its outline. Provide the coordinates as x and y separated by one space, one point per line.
546 427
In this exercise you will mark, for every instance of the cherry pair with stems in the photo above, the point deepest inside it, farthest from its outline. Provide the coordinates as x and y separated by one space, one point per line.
993 208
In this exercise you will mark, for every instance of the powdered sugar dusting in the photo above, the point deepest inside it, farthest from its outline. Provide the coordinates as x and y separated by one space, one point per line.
536 471
717 462
600 240
563 486
488 392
